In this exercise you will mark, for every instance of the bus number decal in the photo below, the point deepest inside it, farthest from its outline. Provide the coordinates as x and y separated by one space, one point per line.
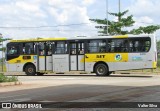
100 56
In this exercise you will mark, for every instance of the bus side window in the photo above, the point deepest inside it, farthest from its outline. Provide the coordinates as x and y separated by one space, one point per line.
24 50
73 52
102 49
81 51
41 52
28 48
12 51
109 47
49 52
61 47
139 44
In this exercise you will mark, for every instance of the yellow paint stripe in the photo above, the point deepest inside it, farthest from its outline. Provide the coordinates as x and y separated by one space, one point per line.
120 36
21 60
36 40
106 57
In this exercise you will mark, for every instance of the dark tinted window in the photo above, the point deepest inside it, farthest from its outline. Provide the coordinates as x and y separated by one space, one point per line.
117 45
139 44
96 46
60 47
13 49
49 48
28 48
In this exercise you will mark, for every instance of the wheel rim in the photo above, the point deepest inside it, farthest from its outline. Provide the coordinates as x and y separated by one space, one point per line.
101 70
30 70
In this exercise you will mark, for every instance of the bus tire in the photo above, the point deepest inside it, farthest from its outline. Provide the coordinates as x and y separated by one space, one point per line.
30 70
101 70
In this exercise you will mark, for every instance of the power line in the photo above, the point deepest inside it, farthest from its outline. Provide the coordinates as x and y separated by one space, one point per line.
147 23
67 30
64 25
55 30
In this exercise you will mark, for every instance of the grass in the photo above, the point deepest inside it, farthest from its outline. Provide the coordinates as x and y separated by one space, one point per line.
4 68
4 78
146 70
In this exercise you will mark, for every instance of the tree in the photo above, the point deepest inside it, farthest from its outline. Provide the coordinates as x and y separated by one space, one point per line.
158 46
117 28
148 29
2 40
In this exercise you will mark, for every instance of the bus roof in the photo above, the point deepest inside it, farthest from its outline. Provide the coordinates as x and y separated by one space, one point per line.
78 38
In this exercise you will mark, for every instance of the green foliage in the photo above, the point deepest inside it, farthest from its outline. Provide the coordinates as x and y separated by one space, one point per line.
4 39
158 61
148 29
117 28
4 78
158 49
2 59
158 45
3 49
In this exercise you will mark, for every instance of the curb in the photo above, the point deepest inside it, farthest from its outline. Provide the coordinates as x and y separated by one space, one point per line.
10 83
130 72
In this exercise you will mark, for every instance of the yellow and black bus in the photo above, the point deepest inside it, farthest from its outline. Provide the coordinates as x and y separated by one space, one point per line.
101 55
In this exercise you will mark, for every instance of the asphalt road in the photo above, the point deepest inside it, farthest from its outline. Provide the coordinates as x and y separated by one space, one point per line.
84 88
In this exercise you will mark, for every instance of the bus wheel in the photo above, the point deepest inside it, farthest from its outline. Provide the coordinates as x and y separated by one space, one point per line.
30 70
101 70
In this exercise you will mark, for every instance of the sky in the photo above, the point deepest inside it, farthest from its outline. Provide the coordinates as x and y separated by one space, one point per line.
23 19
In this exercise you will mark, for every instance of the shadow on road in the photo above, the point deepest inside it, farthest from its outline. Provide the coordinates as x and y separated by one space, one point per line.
82 92
138 76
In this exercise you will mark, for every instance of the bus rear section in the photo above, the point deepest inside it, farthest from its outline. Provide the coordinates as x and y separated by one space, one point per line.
122 53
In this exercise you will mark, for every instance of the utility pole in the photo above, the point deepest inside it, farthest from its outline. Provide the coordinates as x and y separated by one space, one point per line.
2 50
119 17
107 14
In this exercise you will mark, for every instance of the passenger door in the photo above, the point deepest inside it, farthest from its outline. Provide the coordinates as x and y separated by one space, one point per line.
77 56
60 57
45 56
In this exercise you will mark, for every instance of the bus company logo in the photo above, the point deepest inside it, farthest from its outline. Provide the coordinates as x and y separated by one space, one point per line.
35 57
118 57
137 58
6 105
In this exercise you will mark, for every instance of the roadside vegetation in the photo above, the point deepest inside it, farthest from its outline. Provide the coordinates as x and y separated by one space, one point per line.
158 61
4 78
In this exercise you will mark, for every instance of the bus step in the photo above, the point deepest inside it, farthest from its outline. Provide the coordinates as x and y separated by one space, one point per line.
60 73
125 73
83 73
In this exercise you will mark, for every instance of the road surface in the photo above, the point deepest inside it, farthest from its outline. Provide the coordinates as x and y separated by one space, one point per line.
84 88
